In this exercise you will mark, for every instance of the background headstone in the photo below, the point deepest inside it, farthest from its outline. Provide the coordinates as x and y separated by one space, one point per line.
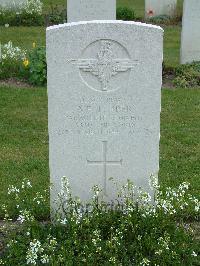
11 3
84 10
104 93
160 7
190 39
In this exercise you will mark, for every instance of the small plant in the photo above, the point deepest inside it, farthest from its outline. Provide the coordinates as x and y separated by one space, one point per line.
161 19
36 68
56 16
11 60
125 13
188 75
25 205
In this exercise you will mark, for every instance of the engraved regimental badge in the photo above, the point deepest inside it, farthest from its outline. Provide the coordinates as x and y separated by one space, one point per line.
105 65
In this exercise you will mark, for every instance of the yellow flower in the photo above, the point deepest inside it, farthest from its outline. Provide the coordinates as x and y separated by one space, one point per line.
34 44
26 62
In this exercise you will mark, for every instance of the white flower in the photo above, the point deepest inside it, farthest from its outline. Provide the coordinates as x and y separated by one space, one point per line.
13 190
194 254
25 216
34 250
144 262
1 262
197 204
32 7
39 198
159 252
153 182
28 183
63 221
45 259
65 190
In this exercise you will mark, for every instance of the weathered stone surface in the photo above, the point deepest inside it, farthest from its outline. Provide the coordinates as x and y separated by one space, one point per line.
84 10
104 91
190 39
11 3
160 7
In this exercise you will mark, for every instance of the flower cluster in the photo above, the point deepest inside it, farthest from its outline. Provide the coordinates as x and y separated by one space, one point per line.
33 252
163 244
15 191
32 7
25 216
29 7
174 200
25 13
11 52
38 252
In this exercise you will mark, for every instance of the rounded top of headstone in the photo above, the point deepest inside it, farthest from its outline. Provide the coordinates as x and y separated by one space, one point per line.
73 24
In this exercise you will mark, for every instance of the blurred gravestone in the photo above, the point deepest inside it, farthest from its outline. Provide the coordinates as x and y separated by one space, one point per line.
190 39
84 10
160 7
11 3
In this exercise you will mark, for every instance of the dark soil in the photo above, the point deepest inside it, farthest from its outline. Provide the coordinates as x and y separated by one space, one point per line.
12 82
168 81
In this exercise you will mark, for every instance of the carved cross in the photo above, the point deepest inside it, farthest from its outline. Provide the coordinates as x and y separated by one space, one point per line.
104 163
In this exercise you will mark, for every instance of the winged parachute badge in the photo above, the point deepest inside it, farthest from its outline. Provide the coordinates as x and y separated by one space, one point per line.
105 65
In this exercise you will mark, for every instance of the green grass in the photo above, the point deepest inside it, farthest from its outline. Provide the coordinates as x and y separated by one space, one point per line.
24 138
180 135
172 37
25 36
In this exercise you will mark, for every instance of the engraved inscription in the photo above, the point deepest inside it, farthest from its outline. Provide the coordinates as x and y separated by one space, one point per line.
104 163
103 116
105 64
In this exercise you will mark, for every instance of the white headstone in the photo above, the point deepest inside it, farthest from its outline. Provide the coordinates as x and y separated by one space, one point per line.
84 10
190 39
11 3
104 93
160 7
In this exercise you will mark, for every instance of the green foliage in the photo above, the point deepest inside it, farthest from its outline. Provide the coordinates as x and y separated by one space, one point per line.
130 233
12 18
188 75
7 17
25 19
37 68
19 64
10 69
56 16
161 19
125 13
